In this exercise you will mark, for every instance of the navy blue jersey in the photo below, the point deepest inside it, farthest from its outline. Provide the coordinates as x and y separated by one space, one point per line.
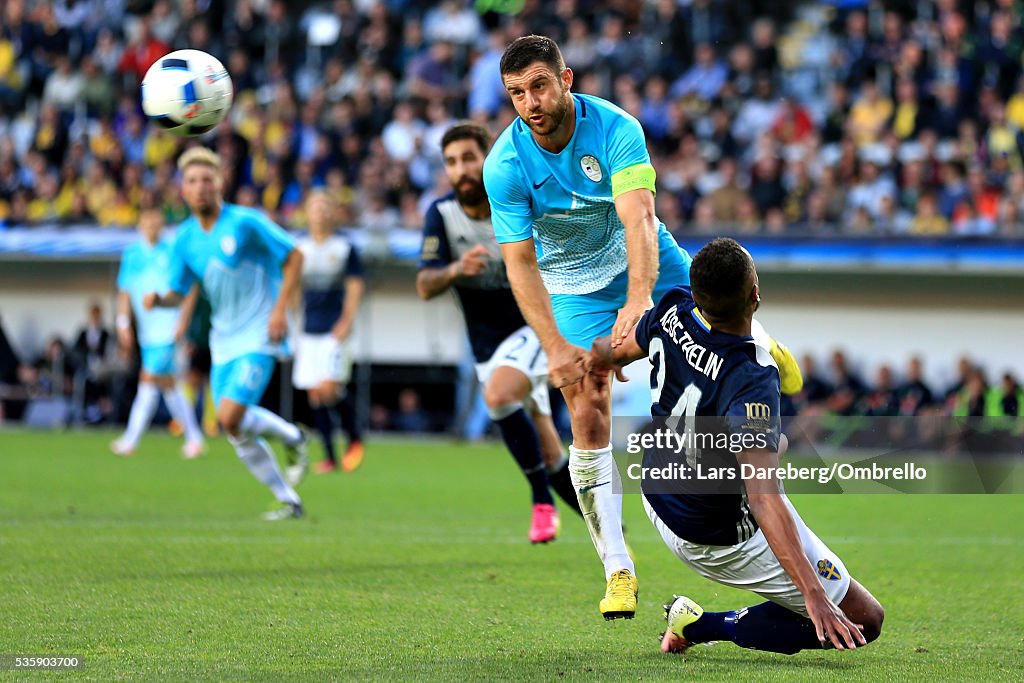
325 267
719 386
487 303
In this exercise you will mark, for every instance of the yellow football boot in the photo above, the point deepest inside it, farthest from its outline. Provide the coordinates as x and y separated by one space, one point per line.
620 596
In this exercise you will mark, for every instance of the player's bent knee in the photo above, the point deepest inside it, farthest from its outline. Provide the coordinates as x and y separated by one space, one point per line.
497 397
873 622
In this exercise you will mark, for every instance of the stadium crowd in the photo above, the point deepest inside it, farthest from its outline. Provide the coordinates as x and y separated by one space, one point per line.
776 117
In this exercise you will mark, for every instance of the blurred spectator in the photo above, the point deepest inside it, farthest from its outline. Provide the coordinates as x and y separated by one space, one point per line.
410 416
725 201
869 114
914 395
882 400
705 78
928 220
142 51
848 388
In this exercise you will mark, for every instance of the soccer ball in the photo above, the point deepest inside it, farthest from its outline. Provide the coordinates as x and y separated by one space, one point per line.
187 92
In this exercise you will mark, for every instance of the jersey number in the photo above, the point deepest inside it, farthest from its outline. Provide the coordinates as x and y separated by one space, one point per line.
685 407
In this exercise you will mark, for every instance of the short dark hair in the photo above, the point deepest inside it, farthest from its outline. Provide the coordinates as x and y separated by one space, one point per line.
467 130
718 278
526 50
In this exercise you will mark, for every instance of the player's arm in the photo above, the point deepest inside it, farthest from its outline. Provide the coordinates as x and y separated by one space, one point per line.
181 280
603 354
291 275
124 319
432 281
354 287
566 363
282 249
188 308
633 186
768 505
636 211
438 270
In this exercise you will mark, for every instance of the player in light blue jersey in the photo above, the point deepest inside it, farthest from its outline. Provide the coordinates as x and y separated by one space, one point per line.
248 268
144 268
571 187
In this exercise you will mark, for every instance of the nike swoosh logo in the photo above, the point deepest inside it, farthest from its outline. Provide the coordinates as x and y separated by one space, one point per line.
590 488
537 186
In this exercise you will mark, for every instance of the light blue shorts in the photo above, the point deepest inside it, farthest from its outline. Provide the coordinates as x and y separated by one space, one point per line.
159 360
582 318
243 379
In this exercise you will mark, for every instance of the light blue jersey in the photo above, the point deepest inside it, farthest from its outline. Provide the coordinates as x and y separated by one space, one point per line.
238 262
566 201
146 268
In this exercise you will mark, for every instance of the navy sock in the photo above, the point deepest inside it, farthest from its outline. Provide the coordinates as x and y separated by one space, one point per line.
561 482
521 439
768 627
347 414
325 427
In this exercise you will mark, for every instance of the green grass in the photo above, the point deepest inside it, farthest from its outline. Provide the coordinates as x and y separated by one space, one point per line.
417 567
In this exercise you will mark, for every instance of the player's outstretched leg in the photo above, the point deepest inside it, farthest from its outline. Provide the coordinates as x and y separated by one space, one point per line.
255 453
767 626
181 410
259 421
504 394
147 398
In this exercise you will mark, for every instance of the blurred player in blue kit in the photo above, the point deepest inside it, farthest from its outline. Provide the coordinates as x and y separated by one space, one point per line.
459 252
332 288
144 268
713 368
249 268
571 188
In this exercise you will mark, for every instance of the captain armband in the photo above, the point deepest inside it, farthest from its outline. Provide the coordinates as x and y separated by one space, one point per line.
636 177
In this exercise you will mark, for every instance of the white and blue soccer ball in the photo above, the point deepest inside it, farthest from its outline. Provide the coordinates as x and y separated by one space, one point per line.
187 92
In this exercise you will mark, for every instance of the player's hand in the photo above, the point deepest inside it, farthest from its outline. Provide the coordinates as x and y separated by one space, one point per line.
473 262
149 301
629 315
277 328
832 624
567 365
600 367
342 329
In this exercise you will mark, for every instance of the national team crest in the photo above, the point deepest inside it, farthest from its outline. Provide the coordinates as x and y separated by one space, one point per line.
228 246
590 166
828 570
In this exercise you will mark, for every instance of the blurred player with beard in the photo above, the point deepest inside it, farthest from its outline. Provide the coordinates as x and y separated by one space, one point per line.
460 252
249 268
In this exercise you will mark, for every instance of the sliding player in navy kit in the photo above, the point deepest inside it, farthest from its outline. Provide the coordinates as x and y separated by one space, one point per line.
712 366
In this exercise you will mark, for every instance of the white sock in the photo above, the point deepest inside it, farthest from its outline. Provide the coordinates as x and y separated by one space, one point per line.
146 400
181 411
601 503
257 456
262 422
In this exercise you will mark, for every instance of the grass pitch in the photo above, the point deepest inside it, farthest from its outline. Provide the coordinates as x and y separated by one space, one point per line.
417 567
